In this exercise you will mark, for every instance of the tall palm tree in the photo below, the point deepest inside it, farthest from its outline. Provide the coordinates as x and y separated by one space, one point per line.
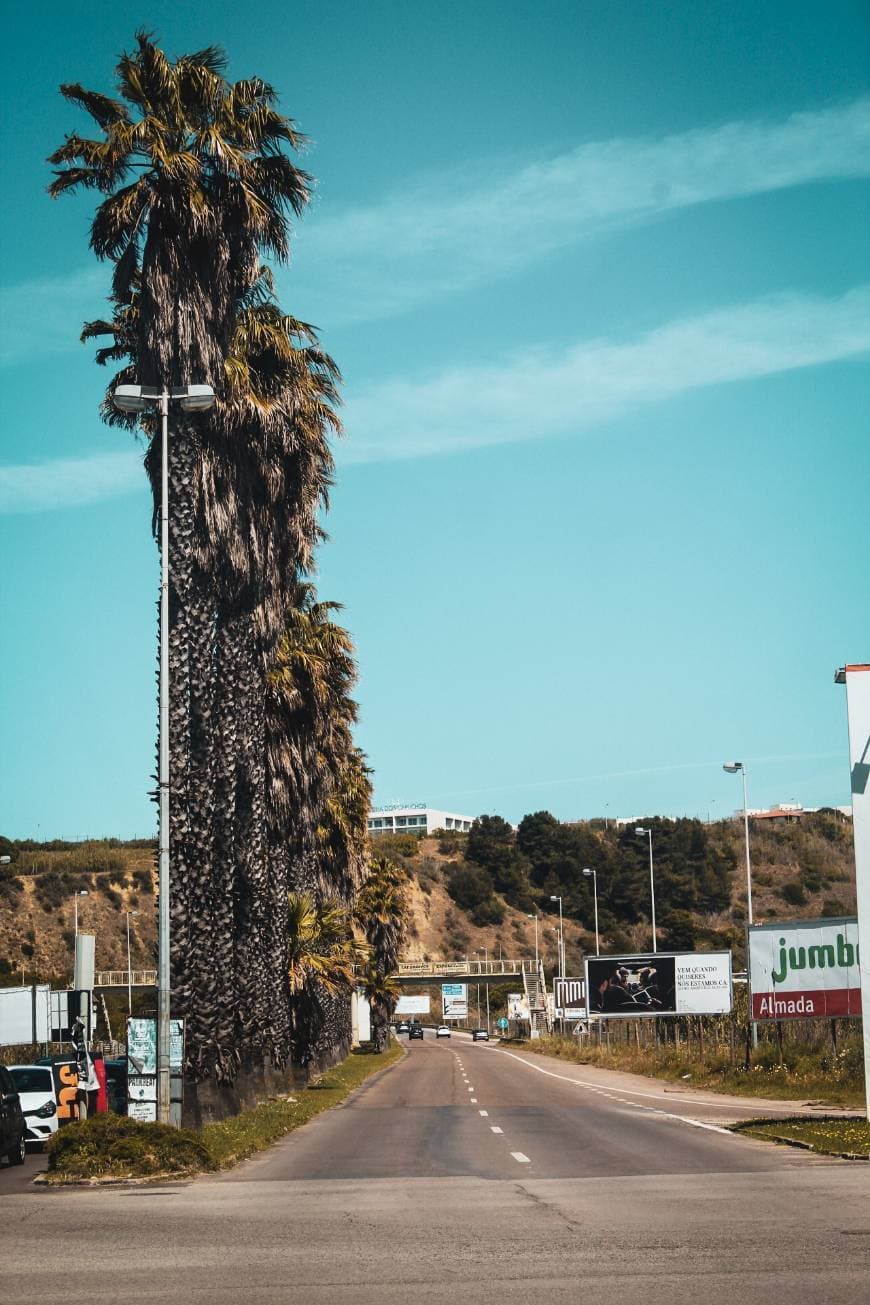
198 188
381 912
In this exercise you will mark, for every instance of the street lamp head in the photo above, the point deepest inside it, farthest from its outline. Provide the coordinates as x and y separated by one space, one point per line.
134 398
554 898
732 766
640 831
81 892
588 872
195 398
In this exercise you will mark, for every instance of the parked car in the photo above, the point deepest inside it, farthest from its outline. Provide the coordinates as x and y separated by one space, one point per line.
12 1125
480 1035
36 1092
415 1031
442 1031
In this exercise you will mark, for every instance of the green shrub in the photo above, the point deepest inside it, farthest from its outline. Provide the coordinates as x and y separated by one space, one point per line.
125 1148
793 893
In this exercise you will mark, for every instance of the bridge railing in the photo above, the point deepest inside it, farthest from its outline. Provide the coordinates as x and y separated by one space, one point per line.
435 969
120 978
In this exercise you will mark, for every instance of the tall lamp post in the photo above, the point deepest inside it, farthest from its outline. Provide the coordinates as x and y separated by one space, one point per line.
81 892
128 913
732 767
641 833
554 898
138 399
535 917
594 875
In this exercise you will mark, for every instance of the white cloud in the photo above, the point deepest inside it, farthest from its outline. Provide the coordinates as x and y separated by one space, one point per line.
536 394
455 231
70 482
544 392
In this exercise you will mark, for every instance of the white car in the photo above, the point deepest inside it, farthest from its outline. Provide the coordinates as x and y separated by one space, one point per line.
442 1031
35 1087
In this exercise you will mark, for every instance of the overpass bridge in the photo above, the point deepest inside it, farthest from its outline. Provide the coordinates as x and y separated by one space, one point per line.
431 971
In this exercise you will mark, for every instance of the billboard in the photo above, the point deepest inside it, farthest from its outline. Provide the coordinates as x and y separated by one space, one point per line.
659 983
413 1005
804 969
570 999
24 1014
518 1006
454 1000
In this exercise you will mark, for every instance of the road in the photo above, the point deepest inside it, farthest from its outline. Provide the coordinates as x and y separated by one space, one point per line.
466 1173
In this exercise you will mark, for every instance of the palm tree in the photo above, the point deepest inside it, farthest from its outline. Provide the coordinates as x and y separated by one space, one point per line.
321 960
381 911
197 189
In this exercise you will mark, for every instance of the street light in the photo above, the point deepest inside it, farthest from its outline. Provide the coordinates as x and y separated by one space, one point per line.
80 892
128 913
641 833
594 874
554 898
138 399
535 917
732 767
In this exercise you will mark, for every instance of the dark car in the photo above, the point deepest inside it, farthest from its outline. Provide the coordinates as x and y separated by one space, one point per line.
12 1125
480 1035
415 1031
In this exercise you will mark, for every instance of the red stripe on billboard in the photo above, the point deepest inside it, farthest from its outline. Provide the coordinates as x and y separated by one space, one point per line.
811 1003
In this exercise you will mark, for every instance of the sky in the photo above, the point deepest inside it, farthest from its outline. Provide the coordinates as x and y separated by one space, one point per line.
597 279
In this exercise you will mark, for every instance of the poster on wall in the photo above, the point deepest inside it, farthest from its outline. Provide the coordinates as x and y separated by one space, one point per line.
454 1000
659 983
413 1004
805 969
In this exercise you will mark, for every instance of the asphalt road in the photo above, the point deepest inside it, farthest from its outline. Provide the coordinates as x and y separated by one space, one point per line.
466 1173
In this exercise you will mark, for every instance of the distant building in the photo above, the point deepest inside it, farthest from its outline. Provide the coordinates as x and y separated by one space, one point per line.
415 820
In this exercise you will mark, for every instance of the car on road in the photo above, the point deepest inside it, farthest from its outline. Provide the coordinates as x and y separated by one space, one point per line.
442 1031
12 1125
403 1027
480 1035
415 1031
36 1092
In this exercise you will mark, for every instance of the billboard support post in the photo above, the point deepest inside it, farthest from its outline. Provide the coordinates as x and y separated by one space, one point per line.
857 681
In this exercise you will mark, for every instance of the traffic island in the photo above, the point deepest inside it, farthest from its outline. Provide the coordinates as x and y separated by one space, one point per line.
116 1149
847 1138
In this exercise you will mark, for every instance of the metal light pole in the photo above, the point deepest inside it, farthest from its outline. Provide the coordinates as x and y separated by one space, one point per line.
732 768
81 892
594 874
652 883
138 399
486 985
535 918
553 898
128 913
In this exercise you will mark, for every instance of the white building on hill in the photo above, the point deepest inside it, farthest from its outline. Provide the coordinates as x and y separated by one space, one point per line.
415 820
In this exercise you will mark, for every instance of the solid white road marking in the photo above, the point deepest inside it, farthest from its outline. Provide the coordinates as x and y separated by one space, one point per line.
520 1158
595 1087
495 1129
485 1113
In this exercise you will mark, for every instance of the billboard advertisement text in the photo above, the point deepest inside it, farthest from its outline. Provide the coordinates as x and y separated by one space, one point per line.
659 983
805 969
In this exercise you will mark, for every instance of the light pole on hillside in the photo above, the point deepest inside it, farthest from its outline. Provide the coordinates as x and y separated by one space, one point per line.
641 833
732 767
535 917
138 399
554 898
128 913
80 892
594 874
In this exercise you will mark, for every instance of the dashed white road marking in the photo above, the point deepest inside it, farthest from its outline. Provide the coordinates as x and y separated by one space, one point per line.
494 1128
471 1089
520 1158
474 1101
485 1113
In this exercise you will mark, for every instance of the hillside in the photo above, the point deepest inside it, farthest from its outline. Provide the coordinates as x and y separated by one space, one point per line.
471 892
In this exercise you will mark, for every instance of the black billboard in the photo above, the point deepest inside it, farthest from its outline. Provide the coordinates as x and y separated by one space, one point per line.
631 985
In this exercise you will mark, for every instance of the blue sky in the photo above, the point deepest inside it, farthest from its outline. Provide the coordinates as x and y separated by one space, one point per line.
597 279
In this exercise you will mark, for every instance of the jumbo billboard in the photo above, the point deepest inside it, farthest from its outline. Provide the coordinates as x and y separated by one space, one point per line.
805 969
659 983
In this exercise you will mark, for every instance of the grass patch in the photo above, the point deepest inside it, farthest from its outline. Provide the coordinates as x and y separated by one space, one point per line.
115 1147
842 1137
836 1081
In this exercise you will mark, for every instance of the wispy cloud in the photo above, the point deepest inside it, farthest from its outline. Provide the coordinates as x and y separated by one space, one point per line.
544 392
537 394
451 232
70 482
